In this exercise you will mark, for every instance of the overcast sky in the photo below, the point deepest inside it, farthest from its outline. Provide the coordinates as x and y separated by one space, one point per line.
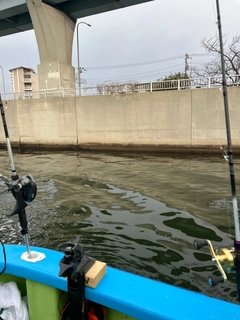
139 37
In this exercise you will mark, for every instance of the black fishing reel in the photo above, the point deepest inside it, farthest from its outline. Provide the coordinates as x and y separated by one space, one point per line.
23 189
27 187
223 258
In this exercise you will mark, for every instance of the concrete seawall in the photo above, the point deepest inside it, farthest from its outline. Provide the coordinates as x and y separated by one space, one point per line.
176 121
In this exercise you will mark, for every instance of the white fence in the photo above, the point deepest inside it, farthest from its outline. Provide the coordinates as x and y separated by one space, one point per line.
109 89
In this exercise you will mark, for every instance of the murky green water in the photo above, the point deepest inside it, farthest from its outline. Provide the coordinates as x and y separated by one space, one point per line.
137 212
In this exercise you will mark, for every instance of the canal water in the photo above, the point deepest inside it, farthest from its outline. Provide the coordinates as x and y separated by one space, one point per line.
137 212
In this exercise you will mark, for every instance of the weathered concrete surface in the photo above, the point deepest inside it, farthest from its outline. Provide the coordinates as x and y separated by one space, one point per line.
47 121
54 33
140 118
176 121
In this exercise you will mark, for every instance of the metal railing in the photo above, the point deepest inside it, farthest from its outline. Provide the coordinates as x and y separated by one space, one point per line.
111 89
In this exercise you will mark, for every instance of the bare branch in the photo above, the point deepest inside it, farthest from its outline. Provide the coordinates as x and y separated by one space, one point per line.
231 57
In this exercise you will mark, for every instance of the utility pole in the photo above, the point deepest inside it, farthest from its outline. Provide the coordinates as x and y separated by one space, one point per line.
186 64
4 90
78 57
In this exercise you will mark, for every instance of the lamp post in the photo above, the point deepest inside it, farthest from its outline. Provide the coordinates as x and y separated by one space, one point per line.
78 56
4 90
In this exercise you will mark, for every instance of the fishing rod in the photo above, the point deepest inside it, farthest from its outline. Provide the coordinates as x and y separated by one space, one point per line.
230 157
227 260
228 131
23 189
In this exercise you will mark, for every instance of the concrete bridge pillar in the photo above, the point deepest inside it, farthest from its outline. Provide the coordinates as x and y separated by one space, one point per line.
54 33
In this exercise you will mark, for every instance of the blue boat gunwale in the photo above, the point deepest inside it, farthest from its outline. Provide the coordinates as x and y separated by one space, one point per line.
125 292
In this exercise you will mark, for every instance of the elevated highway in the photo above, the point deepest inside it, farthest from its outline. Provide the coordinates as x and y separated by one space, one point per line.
15 16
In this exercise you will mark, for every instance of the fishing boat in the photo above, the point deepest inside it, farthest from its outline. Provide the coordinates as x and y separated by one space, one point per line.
67 284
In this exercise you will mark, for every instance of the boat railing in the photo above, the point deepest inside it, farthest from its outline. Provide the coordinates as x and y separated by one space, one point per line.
126 88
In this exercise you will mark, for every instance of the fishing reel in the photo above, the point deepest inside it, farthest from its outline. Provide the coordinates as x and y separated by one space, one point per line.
24 190
223 258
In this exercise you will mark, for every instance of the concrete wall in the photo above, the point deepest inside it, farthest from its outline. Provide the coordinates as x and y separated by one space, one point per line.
158 121
135 119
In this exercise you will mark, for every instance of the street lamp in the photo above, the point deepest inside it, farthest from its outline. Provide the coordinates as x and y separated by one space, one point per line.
3 83
78 56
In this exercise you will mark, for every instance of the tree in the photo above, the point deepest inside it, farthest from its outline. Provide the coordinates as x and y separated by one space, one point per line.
231 58
175 76
171 82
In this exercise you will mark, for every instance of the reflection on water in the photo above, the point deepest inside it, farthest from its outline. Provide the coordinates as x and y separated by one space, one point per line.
137 212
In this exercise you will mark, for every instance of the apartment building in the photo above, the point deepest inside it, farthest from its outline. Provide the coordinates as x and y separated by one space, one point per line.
24 82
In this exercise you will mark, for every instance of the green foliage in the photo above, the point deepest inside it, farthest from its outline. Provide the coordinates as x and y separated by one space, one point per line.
171 82
175 76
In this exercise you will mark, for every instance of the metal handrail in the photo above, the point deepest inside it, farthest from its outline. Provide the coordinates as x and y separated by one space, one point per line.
110 89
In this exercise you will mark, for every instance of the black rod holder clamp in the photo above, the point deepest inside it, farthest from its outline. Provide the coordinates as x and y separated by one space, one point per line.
74 265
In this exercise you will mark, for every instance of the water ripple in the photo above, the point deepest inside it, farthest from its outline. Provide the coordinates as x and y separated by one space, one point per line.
139 213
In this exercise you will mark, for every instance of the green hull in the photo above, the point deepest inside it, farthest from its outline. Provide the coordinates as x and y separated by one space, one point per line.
45 302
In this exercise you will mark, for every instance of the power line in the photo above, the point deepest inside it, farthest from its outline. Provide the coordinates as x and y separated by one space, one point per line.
143 63
153 76
150 73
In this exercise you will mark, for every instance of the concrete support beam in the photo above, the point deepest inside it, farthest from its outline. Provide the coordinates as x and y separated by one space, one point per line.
54 33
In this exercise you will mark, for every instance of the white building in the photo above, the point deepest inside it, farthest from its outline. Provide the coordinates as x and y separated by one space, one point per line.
24 82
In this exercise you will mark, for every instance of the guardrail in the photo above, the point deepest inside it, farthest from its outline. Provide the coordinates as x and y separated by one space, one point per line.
109 89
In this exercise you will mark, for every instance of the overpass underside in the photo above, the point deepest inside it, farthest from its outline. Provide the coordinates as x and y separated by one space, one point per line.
54 23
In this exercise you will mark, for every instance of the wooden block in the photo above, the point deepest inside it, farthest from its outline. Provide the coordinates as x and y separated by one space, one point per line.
95 274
